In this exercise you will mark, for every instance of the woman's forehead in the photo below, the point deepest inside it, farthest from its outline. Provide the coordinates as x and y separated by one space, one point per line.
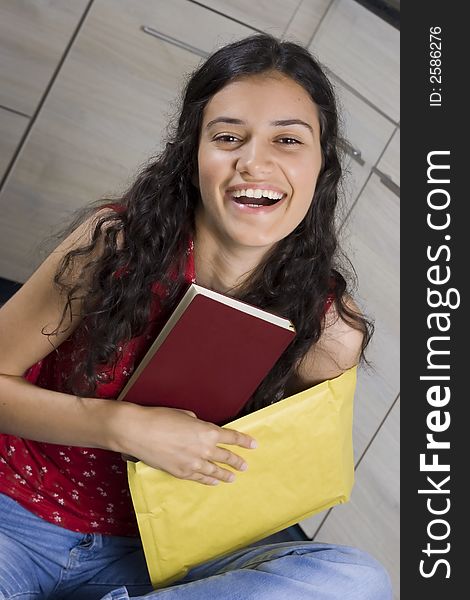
271 97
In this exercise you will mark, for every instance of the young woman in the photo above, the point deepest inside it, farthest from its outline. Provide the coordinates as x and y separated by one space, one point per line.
242 200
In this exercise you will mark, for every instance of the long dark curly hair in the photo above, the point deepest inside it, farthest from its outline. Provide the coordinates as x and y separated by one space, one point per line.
156 220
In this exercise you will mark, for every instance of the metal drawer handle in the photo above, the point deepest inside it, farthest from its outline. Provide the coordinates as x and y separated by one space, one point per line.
354 152
387 181
174 41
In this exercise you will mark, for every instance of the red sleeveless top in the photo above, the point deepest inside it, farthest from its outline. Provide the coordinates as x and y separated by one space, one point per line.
81 489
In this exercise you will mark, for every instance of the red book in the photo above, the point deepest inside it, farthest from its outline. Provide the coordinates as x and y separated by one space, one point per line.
210 356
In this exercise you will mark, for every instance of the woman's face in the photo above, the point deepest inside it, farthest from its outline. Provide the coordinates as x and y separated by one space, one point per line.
260 136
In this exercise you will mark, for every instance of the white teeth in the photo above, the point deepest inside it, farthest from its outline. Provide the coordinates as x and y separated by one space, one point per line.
252 193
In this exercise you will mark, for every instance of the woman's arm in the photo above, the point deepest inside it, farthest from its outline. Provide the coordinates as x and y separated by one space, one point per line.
169 439
337 350
25 409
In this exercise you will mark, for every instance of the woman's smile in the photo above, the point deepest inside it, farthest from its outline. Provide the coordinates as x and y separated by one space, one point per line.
252 199
252 206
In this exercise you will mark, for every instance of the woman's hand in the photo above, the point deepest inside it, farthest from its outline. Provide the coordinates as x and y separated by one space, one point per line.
177 442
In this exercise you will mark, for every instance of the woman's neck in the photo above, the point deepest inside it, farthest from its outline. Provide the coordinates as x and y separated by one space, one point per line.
222 266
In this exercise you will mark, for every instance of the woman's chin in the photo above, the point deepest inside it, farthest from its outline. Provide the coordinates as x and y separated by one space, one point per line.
253 238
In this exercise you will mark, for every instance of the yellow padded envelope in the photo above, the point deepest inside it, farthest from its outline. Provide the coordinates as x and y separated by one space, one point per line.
303 464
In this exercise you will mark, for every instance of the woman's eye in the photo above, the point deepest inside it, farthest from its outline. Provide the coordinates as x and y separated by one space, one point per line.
289 141
226 138
231 139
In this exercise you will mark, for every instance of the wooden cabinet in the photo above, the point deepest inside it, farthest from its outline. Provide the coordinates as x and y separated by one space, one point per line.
371 238
363 51
12 127
305 20
34 35
389 164
105 115
366 133
287 19
272 16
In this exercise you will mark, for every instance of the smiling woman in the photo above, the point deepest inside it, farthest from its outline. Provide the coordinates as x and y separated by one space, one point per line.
241 200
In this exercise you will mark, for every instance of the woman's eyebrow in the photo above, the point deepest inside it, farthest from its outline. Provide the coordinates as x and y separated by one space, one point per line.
278 123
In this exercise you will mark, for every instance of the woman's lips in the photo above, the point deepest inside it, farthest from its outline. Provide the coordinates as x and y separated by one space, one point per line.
244 208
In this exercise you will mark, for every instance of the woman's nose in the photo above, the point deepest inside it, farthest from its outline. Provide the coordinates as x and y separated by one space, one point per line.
255 159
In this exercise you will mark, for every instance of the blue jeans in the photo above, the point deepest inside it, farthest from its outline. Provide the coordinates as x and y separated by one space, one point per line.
40 560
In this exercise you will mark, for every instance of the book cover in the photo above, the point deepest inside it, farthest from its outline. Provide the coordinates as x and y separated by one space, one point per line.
210 357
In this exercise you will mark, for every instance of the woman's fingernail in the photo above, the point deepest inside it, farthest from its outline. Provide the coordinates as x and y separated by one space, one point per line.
253 444
244 467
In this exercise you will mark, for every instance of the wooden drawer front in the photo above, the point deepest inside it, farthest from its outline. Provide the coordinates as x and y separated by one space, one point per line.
33 36
305 20
200 29
12 127
366 132
105 115
363 50
371 240
389 163
272 16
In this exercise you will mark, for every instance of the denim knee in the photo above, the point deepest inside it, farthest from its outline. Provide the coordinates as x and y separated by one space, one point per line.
372 579
379 585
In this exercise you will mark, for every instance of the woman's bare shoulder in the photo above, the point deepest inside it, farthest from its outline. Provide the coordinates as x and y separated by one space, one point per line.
38 306
340 343
337 350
